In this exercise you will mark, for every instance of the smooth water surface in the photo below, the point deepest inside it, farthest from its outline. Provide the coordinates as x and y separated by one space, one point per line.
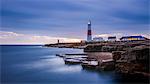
37 64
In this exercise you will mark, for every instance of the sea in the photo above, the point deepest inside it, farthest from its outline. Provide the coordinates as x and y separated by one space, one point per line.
36 64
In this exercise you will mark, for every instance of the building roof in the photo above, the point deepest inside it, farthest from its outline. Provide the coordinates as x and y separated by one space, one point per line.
112 37
98 37
131 37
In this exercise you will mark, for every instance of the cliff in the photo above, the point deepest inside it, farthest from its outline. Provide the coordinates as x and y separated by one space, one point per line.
130 58
133 61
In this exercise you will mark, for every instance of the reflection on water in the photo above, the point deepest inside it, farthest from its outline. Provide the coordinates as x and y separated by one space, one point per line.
68 69
50 64
38 64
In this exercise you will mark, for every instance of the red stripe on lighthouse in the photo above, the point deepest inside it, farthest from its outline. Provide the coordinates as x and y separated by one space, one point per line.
89 32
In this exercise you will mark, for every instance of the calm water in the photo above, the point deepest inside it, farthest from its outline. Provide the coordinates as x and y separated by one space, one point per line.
36 64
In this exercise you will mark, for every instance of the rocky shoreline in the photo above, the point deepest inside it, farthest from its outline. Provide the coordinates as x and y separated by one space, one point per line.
129 58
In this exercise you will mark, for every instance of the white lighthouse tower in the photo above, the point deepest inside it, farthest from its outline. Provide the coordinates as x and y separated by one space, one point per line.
89 32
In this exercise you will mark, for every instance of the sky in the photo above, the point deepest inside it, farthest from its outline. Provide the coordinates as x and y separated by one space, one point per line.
45 21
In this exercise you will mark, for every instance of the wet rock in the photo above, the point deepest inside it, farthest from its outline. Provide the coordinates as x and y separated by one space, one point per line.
133 61
107 66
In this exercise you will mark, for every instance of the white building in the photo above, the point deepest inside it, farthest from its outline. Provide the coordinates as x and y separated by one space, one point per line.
97 39
112 38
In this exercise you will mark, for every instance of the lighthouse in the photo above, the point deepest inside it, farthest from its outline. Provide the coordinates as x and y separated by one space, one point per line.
89 32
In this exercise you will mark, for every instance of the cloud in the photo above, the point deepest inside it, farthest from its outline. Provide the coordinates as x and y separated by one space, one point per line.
70 16
17 38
